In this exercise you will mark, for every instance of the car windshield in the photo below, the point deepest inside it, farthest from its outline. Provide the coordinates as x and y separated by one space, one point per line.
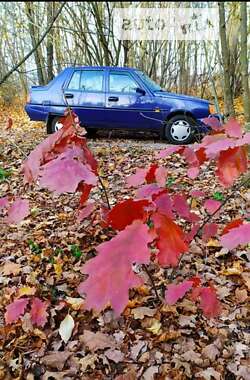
149 82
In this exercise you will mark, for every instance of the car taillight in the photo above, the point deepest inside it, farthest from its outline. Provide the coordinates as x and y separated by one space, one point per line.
28 98
212 108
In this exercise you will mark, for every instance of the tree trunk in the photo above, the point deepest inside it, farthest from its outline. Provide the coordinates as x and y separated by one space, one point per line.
228 97
50 41
32 29
244 63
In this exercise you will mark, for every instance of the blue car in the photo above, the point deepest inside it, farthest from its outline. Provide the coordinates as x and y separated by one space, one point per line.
118 98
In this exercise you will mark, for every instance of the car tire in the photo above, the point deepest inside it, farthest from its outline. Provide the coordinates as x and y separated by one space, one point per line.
179 130
55 125
91 132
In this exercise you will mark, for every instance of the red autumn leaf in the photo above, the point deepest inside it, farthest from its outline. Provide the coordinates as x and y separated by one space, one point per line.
18 210
110 272
219 147
45 152
15 310
85 191
211 205
212 122
39 315
191 234
245 140
209 230
175 292
4 202
150 176
164 204
209 303
233 128
181 207
65 173
168 151
146 191
231 164
9 123
192 161
170 241
85 211
236 236
197 193
233 224
124 213
136 179
161 176
196 281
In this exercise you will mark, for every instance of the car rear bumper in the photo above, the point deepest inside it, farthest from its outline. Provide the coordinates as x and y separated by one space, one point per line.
36 112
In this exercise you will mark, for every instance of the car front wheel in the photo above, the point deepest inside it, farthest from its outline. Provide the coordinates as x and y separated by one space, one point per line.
180 130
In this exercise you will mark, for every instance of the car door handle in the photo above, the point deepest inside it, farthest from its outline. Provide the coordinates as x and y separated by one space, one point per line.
113 99
69 96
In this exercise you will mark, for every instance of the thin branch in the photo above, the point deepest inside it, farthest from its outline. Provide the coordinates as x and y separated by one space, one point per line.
105 191
152 282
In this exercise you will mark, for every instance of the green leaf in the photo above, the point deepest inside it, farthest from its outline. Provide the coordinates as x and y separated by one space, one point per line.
4 174
75 251
170 181
218 196
34 247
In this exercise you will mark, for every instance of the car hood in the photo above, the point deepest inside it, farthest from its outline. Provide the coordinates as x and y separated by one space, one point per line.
165 94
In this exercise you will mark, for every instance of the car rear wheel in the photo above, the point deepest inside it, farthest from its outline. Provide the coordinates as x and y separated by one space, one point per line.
179 130
55 124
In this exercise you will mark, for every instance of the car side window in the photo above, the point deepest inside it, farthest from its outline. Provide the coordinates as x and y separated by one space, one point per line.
87 80
74 83
119 82
91 80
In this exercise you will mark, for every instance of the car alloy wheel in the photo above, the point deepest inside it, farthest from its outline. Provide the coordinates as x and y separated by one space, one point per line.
58 126
180 130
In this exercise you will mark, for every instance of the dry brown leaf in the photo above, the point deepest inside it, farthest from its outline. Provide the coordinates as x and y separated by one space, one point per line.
131 375
142 311
97 341
241 295
211 351
115 355
169 335
209 374
11 268
56 359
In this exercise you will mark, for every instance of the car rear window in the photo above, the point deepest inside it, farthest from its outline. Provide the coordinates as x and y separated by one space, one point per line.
86 80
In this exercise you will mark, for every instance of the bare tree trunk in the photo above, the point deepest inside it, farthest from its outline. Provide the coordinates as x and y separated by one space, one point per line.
244 62
33 33
50 41
228 98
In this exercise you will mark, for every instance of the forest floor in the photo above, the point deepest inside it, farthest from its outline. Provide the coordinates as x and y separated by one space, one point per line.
149 340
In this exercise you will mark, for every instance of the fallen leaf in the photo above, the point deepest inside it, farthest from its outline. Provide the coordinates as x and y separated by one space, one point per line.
115 355
11 268
235 270
56 359
97 341
142 311
66 328
241 295
38 312
15 310
26 291
209 374
155 327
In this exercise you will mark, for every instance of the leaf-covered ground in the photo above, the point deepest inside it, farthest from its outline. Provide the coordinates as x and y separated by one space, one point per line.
43 256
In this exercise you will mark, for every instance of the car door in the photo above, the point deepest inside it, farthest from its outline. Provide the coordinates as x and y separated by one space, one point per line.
85 93
125 106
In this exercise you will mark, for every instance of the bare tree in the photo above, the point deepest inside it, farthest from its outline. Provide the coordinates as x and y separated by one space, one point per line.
244 62
228 98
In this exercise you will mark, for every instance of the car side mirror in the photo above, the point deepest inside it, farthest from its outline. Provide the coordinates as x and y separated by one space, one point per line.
140 91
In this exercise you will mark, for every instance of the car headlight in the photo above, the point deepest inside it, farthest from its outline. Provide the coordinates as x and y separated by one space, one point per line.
212 108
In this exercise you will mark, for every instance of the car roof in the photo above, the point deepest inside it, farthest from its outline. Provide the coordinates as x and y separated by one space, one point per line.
106 67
